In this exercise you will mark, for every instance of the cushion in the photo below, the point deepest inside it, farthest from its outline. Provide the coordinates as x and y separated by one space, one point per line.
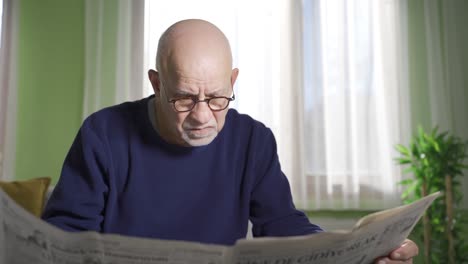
30 194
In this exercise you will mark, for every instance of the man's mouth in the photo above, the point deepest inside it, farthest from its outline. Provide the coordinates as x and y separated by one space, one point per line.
200 132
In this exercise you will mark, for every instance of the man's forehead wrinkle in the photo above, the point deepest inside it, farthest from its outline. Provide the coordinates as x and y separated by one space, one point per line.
190 85
204 76
183 73
193 83
194 80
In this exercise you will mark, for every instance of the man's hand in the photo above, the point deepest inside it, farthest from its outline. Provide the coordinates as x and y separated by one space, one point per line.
404 254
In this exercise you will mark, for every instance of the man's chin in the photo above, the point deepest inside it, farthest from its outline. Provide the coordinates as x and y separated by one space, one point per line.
199 140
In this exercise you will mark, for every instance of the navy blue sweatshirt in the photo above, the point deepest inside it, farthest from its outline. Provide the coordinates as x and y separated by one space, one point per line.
121 177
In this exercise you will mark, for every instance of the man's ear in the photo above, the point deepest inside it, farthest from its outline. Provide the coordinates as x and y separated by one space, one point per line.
234 74
153 76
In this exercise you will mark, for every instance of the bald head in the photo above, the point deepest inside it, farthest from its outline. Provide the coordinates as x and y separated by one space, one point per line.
193 43
194 69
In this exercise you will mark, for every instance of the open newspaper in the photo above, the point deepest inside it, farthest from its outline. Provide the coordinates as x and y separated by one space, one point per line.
25 238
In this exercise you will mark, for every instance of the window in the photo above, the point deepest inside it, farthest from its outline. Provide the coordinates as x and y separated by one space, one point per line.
351 103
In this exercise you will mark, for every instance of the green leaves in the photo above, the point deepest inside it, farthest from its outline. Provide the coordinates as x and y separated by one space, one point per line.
429 158
403 150
412 186
433 155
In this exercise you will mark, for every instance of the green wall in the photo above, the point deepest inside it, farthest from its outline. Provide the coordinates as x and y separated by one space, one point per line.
50 81
51 66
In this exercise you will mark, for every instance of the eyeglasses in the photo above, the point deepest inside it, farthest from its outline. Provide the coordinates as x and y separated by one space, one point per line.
217 103
186 104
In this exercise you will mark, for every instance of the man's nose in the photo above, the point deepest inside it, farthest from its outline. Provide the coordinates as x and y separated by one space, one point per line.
201 112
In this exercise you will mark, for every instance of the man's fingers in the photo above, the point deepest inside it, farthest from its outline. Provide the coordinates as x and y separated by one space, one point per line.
402 255
406 251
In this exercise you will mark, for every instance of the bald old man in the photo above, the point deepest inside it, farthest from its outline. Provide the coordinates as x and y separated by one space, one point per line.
180 164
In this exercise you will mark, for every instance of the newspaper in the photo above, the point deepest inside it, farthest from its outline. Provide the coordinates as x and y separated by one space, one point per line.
25 238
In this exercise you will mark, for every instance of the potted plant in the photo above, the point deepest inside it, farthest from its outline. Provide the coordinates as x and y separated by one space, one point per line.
436 161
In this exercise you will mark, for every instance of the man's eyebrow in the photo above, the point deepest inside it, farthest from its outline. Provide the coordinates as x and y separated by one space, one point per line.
183 94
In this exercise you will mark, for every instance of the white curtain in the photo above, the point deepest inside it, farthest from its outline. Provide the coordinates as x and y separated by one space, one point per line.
354 103
114 53
447 65
8 57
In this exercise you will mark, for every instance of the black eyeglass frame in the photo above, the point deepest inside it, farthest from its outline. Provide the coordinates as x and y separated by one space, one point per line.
196 101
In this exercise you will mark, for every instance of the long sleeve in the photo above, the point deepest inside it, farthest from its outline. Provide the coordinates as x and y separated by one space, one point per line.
272 210
78 200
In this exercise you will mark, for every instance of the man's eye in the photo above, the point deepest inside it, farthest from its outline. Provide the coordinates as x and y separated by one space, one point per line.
185 100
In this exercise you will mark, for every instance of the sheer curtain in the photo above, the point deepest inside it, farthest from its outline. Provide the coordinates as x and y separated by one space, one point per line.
447 65
446 39
114 53
354 103
8 57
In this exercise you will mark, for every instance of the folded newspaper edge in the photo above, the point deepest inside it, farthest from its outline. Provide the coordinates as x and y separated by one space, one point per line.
25 238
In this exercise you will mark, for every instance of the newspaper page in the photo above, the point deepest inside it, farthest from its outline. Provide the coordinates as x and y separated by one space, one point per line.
373 236
27 239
